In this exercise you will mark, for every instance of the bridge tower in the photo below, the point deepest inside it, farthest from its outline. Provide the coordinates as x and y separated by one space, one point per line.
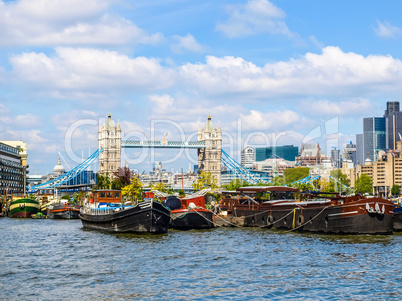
109 138
209 158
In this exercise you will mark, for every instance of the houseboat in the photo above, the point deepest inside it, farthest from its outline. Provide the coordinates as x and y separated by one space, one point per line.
108 213
189 213
22 208
286 208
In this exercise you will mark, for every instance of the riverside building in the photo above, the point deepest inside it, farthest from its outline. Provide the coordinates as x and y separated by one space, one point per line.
12 170
385 172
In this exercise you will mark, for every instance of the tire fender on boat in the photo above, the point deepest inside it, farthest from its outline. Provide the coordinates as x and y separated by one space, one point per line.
270 220
300 220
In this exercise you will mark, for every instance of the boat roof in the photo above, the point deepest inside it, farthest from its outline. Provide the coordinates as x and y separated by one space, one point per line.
255 189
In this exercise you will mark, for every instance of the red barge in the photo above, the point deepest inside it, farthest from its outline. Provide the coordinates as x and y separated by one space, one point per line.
189 213
288 209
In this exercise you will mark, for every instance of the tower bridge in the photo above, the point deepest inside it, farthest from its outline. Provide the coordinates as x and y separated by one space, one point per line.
208 146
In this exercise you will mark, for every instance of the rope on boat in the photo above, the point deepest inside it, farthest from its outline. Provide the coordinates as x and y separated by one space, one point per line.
307 221
274 222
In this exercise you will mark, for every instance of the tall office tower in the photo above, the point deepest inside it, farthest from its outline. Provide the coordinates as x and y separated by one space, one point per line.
374 137
393 124
247 157
350 152
359 150
336 158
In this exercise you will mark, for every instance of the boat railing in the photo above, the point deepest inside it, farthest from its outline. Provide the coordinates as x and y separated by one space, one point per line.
97 211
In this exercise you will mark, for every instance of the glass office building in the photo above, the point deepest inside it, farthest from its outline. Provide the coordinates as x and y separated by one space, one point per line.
393 124
287 152
374 137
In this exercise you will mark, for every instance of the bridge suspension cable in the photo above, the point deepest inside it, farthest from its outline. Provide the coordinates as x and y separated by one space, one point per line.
75 172
239 170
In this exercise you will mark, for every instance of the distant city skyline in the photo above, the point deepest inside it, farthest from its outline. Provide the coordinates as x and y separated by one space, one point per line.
286 71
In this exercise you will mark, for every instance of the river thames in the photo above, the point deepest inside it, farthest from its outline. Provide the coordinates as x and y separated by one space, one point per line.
59 260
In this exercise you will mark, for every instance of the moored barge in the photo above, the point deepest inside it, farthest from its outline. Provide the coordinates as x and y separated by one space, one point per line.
189 213
63 211
23 208
317 212
110 215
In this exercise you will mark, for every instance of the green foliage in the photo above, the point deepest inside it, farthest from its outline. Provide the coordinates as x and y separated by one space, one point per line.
205 180
395 190
181 193
326 186
162 187
236 183
364 184
103 182
65 197
134 189
278 181
304 186
117 184
293 174
340 177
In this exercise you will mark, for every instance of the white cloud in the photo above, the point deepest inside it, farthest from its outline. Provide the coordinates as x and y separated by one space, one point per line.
82 69
73 22
273 121
386 30
186 44
331 72
254 17
354 107
161 103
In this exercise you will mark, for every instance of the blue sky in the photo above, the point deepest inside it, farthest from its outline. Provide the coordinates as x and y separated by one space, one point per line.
271 72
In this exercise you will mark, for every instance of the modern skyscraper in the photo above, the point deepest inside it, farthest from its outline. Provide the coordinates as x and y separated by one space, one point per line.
359 150
247 157
336 158
374 137
393 124
287 152
349 153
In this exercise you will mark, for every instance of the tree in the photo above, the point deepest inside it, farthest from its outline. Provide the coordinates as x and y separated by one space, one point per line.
162 187
326 186
103 181
340 177
364 184
395 190
236 183
124 175
304 186
293 174
278 181
134 189
205 180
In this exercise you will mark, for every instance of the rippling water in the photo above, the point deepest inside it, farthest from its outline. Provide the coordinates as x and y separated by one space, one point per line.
58 259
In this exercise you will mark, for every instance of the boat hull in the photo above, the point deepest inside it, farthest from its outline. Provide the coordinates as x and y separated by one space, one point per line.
146 217
23 208
61 211
352 218
188 219
398 219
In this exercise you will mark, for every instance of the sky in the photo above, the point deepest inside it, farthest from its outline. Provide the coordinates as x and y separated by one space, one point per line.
268 72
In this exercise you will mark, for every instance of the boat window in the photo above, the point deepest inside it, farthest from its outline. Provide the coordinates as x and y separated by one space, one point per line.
110 195
117 195
101 194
